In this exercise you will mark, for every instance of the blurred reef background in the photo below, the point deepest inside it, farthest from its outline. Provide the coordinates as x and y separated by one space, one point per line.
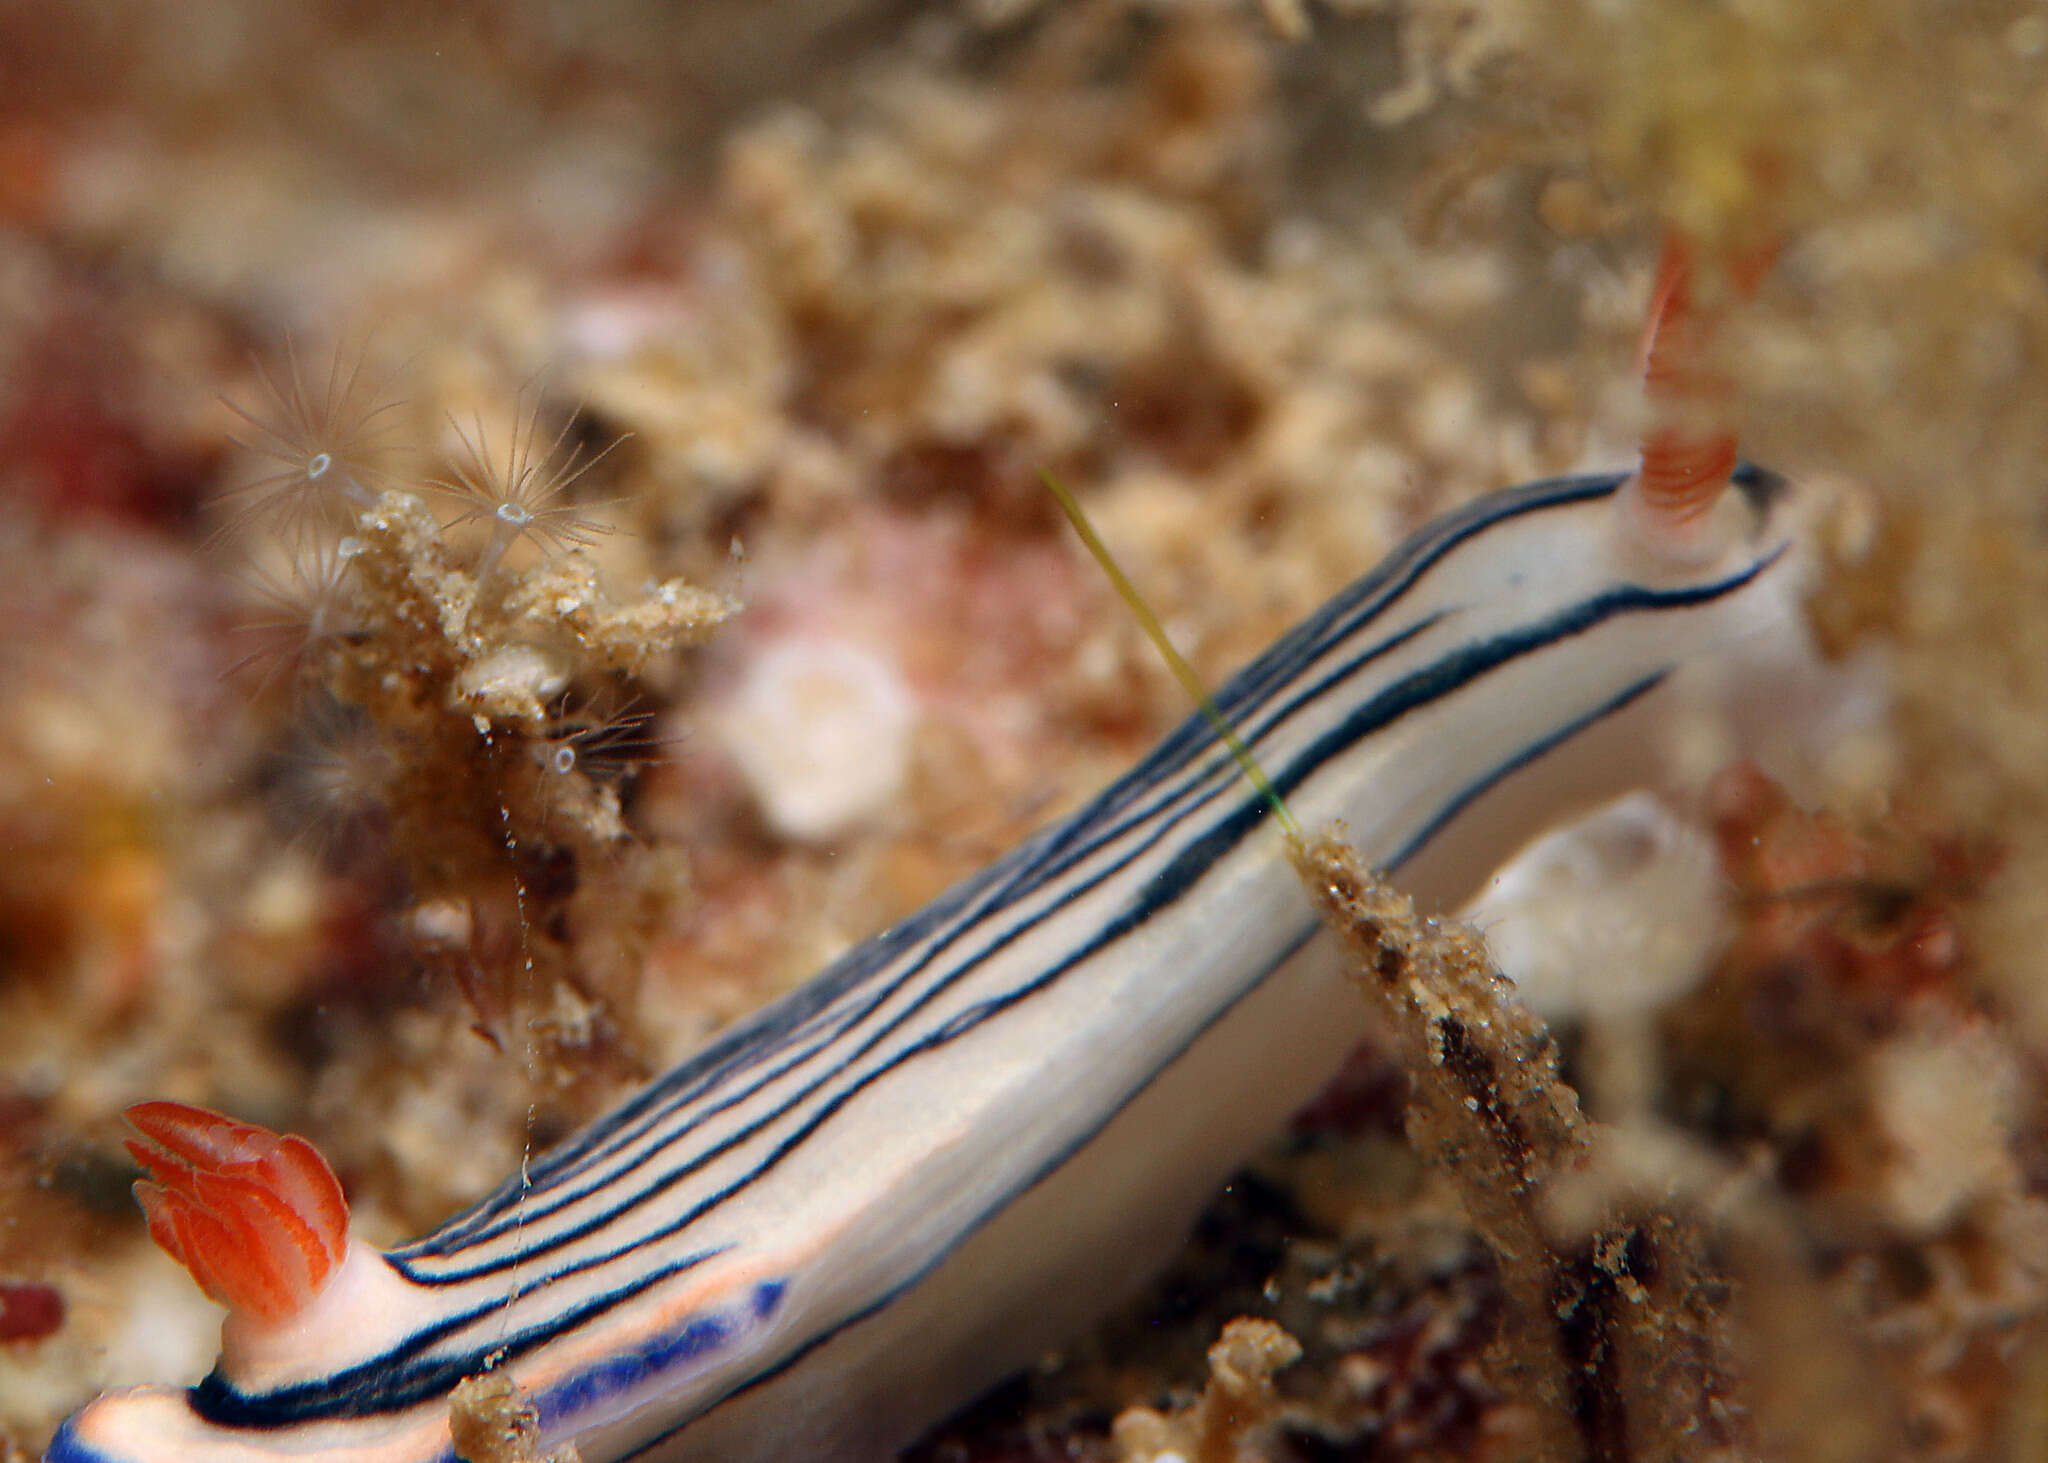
329 799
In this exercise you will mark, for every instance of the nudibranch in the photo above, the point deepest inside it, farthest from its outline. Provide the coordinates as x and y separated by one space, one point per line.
975 1131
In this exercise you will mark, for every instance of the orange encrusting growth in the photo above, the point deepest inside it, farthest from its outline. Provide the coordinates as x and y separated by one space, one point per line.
257 1217
1690 448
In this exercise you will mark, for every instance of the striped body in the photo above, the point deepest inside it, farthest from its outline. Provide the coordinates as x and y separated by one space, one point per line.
981 1127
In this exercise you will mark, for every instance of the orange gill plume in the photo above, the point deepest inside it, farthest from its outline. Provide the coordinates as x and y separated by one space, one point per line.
257 1217
1689 449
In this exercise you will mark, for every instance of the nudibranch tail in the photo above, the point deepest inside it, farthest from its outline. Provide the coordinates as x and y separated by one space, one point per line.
257 1217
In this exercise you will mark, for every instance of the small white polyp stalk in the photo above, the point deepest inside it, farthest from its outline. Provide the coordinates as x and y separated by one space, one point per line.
1605 921
508 522
1618 912
343 484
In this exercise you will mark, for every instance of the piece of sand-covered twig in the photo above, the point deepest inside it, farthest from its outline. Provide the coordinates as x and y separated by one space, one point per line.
1612 1342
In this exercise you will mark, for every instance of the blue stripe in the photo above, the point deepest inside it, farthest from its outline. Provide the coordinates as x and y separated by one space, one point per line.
402 1377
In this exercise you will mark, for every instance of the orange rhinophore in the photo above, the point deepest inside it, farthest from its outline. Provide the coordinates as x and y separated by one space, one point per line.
257 1217
1690 448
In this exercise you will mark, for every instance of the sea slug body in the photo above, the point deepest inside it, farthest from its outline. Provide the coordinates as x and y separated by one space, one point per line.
905 1179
